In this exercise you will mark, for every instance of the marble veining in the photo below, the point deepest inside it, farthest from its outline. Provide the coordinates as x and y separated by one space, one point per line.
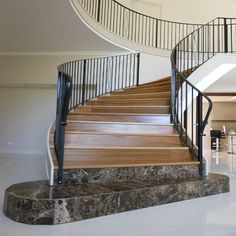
37 203
105 175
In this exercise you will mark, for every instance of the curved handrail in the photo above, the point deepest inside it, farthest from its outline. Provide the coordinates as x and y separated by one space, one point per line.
137 27
187 56
77 84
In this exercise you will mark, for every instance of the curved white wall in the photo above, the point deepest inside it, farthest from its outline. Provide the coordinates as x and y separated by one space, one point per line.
111 37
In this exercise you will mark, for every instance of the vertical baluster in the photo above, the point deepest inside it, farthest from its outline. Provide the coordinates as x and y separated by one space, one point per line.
83 82
199 134
181 108
160 34
186 112
225 36
74 84
156 33
130 68
138 66
77 82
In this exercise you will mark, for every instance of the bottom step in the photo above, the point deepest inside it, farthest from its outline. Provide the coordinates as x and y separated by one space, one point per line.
38 203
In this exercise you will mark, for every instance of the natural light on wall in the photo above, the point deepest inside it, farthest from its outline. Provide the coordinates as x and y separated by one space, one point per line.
214 75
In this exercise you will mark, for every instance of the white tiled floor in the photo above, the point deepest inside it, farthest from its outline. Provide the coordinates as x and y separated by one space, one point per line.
209 216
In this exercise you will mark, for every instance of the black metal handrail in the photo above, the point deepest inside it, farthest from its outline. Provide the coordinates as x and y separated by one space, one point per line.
188 115
80 81
64 89
137 27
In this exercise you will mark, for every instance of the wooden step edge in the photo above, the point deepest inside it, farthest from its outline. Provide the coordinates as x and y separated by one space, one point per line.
130 94
158 92
117 122
126 106
131 98
147 87
136 99
122 148
120 133
156 87
78 166
117 114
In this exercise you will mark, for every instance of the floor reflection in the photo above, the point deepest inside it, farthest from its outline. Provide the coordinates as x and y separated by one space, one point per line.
221 162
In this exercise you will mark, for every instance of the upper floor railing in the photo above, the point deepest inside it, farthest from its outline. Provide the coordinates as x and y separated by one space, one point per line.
189 115
80 81
135 26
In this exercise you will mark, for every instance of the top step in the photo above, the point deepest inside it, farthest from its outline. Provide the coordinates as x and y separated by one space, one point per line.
136 95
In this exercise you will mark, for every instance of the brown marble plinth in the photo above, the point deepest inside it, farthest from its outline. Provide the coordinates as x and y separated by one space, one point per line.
38 203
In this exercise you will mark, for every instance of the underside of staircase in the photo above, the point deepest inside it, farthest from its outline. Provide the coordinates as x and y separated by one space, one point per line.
121 153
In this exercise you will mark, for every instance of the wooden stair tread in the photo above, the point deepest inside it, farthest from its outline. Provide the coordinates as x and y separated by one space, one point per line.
118 140
121 133
103 158
130 106
136 95
124 148
158 88
114 102
124 109
116 114
119 127
130 98
116 122
152 119
140 93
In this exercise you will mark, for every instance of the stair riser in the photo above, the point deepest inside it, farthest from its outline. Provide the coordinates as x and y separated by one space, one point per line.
126 157
122 118
112 175
121 128
99 140
135 110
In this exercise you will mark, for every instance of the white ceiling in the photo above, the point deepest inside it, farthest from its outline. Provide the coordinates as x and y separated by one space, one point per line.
45 25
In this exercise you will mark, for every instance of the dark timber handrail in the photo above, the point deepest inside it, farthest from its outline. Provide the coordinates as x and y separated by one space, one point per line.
137 27
80 81
188 114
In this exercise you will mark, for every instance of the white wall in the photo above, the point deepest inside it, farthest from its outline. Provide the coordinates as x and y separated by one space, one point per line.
26 114
153 68
200 11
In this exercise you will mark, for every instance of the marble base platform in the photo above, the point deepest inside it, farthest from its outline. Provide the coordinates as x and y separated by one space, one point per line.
108 175
38 203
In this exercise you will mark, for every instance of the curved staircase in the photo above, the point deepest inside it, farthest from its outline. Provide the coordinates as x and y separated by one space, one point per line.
121 153
117 145
115 130
128 128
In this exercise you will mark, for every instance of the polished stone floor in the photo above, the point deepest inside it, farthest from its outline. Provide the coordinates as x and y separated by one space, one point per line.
209 216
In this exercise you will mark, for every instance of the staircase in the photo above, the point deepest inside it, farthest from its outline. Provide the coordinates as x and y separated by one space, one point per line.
121 153
117 145
128 128
117 130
